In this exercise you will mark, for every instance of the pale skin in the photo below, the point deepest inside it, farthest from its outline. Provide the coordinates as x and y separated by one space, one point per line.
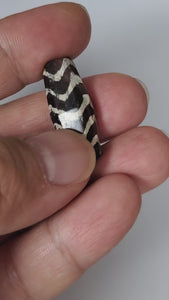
67 229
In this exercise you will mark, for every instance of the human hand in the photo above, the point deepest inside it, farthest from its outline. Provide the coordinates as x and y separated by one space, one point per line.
42 171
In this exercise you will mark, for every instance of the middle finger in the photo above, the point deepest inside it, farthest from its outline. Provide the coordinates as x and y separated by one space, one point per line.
119 100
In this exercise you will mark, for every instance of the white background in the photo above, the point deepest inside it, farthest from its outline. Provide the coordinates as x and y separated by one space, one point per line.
129 36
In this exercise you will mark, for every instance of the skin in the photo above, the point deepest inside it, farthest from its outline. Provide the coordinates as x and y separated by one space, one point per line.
52 233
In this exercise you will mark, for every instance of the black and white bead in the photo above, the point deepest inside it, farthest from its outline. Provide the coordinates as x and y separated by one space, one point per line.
69 103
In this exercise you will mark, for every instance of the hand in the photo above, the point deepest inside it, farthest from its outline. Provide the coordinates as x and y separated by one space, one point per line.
48 240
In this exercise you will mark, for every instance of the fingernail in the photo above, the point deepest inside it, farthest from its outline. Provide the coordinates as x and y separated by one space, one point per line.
65 156
145 89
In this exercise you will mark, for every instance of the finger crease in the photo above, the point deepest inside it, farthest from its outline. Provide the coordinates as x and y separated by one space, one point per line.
64 250
12 62
14 277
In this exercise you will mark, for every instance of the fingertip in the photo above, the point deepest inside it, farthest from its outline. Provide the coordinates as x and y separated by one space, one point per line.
157 158
79 15
123 100
145 89
142 153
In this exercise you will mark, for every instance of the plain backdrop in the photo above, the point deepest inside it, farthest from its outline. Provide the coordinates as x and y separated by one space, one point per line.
128 36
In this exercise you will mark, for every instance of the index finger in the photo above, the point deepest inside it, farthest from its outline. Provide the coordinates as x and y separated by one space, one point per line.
29 39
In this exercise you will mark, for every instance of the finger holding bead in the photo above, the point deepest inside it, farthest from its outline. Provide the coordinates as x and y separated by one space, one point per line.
119 101
48 31
142 153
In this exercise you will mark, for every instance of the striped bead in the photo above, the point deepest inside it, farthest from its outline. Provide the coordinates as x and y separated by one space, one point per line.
69 104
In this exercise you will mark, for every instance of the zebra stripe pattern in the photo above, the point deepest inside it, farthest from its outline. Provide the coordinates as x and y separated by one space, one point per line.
69 104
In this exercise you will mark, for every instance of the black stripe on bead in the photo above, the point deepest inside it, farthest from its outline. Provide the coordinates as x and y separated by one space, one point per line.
53 66
92 132
55 118
74 100
89 111
97 149
61 86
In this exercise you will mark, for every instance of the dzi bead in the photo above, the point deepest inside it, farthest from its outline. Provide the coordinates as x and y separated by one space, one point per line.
69 103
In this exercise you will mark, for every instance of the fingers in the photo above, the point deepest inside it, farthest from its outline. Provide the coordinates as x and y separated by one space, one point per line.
120 103
28 40
142 153
40 176
58 251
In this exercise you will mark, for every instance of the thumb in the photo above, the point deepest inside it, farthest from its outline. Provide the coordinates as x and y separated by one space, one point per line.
40 175
66 156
